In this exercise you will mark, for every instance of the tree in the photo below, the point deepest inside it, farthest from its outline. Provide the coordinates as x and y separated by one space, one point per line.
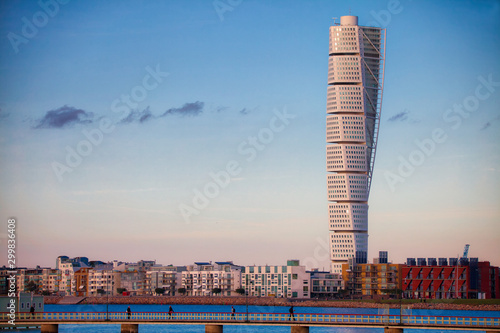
31 286
46 293
216 291
240 291
160 291
101 291
343 293
181 291
120 290
393 292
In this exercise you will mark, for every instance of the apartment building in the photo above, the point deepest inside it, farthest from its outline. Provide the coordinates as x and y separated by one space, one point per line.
202 278
167 277
372 280
325 285
287 281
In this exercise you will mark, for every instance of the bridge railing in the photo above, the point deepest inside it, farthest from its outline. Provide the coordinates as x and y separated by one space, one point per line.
312 318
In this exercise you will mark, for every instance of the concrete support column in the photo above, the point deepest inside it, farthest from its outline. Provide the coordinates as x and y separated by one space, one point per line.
299 329
213 328
393 330
130 328
49 328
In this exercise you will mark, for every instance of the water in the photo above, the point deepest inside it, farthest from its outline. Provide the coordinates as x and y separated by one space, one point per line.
151 328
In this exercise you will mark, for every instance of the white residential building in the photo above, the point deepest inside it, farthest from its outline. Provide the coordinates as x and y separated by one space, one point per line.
46 279
202 277
290 281
167 277
354 99
101 279
325 285
67 268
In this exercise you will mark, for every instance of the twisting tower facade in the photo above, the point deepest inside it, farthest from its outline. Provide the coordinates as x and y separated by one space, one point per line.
354 99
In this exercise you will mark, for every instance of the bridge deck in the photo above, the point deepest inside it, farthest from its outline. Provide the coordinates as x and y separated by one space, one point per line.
281 319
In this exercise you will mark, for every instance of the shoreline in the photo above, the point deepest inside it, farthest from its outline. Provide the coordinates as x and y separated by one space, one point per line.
268 301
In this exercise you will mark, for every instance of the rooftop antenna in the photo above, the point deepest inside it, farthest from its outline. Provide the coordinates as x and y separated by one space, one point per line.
335 20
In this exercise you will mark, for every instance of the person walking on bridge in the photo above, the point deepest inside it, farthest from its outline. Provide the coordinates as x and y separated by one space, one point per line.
233 311
170 311
291 313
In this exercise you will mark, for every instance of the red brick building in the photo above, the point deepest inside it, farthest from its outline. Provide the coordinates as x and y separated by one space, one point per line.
489 283
466 280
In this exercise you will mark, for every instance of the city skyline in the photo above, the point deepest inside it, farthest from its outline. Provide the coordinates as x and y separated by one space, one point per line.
179 133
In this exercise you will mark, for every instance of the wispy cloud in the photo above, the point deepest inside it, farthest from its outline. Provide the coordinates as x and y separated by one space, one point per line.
63 117
485 126
118 191
489 123
137 116
188 109
221 108
402 116
3 114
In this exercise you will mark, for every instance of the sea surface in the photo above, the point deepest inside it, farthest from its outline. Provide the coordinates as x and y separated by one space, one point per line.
151 328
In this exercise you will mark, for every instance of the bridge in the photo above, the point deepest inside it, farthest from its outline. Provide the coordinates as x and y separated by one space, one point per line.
214 321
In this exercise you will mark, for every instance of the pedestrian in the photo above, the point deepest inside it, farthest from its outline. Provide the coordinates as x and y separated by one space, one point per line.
32 311
233 311
170 311
129 312
291 313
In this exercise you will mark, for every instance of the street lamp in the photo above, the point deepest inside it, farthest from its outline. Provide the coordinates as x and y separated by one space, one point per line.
246 295
107 297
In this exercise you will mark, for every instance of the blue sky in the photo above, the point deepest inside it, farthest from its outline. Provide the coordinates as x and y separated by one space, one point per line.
158 98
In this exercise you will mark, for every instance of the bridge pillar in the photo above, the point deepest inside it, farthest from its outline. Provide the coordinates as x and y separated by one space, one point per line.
213 328
393 330
130 328
299 329
49 328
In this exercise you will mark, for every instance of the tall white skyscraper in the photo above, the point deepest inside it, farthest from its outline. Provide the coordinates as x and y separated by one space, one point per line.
354 99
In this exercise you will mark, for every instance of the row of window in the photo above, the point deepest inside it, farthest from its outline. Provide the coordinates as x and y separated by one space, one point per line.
349 150
343 176
349 206
347 226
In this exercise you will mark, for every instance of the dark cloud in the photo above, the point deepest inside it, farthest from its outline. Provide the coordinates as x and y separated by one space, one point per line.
137 116
244 111
65 116
188 109
402 116
485 126
489 123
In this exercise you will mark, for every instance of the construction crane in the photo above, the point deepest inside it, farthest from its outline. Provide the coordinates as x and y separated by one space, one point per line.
466 251
462 261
